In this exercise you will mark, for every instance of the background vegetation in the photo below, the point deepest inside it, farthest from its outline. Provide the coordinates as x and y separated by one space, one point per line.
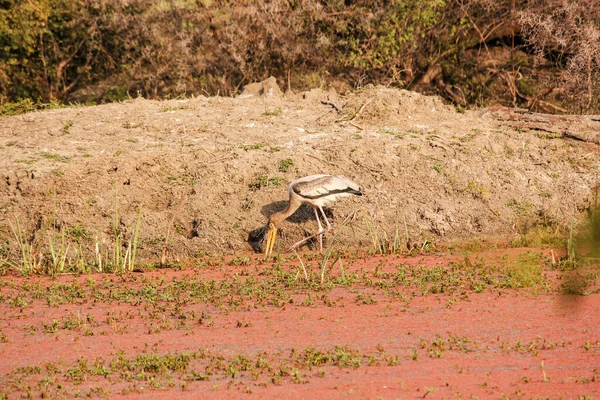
539 54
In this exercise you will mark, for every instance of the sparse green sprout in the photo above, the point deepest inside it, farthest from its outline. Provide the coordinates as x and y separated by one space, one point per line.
265 181
68 125
26 162
437 169
254 146
78 232
387 131
467 138
131 125
55 157
391 131
284 165
414 354
477 190
237 261
276 112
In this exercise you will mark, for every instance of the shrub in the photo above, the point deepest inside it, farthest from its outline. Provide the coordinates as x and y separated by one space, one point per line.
569 34
105 50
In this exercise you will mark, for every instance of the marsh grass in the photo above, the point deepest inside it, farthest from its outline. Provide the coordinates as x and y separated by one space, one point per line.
398 242
324 273
28 263
57 243
160 370
54 248
324 264
168 300
302 265
156 369
541 236
58 251
115 259
526 272
382 242
581 265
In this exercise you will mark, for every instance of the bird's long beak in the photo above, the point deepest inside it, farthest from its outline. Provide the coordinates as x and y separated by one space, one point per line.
271 236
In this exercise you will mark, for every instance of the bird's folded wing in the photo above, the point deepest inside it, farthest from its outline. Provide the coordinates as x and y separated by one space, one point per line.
326 185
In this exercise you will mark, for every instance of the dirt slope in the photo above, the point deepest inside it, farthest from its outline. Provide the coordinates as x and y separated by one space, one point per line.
208 171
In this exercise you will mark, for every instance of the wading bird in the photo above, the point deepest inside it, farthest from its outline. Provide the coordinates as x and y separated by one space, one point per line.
316 191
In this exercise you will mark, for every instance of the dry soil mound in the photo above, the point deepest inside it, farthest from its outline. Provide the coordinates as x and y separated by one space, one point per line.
208 171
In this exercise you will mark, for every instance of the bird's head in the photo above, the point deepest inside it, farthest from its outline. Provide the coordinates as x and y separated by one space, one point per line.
271 236
272 227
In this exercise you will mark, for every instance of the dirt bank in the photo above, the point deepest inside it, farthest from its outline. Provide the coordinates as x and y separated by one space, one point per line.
208 171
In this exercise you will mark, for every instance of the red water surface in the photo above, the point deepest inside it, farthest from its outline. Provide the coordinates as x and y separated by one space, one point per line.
515 344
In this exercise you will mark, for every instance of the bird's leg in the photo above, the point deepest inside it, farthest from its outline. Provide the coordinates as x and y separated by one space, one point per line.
326 220
320 233
320 229
303 240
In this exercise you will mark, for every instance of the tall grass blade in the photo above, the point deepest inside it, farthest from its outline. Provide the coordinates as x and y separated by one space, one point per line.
27 258
302 264
372 232
136 236
326 258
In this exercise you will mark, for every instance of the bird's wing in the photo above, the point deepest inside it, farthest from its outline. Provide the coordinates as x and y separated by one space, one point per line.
316 186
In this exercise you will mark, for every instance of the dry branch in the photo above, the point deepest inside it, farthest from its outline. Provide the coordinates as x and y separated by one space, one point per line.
332 104
584 128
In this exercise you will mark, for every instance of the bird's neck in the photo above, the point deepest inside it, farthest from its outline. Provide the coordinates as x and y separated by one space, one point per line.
279 217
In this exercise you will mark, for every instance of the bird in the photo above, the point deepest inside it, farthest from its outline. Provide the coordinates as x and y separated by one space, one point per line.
317 191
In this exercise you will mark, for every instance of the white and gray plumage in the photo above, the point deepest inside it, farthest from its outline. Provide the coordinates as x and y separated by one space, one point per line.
316 191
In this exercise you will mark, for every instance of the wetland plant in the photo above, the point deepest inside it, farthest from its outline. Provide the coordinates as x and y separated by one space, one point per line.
581 265
61 249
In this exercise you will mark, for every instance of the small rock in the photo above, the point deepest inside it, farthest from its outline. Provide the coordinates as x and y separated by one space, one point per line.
266 88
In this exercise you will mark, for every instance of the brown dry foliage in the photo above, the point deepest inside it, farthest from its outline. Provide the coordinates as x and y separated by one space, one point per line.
108 49
570 33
